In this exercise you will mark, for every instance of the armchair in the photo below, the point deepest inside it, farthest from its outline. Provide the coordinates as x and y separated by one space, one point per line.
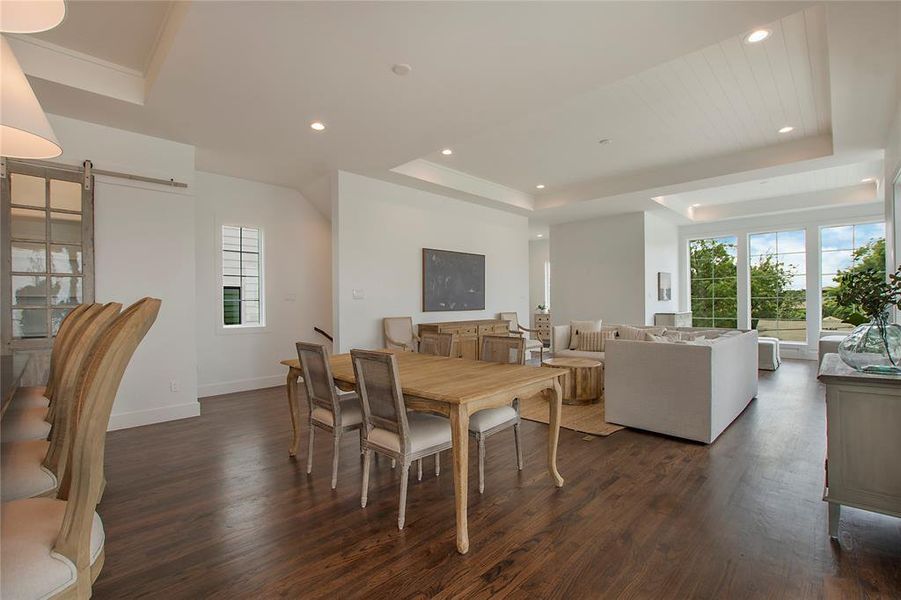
399 334
516 329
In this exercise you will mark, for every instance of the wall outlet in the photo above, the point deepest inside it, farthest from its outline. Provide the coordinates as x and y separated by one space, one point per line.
173 385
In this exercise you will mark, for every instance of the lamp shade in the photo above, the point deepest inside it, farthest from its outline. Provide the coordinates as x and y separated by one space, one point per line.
31 16
25 132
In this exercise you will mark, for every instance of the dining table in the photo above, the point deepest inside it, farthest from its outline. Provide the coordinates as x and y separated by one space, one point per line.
455 388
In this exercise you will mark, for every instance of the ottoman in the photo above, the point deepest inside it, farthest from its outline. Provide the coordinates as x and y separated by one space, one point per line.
768 357
829 344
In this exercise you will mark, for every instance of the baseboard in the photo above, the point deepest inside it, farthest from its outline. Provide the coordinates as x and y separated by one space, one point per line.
239 385
154 415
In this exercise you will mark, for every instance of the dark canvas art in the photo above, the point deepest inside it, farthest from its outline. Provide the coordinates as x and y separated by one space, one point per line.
452 280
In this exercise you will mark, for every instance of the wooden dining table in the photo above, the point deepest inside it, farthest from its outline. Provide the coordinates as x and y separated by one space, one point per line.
455 388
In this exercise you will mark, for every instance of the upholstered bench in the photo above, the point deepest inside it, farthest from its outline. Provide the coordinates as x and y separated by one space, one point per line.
829 344
768 357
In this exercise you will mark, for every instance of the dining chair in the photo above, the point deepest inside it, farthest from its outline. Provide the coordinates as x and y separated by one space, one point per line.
329 411
31 468
30 419
516 329
436 344
389 429
400 334
487 422
55 547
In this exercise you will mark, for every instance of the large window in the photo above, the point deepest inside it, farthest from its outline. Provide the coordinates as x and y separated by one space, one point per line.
847 248
714 299
242 289
48 226
779 284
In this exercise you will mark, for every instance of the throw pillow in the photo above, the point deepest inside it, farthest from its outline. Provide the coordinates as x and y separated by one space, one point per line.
633 334
578 327
595 341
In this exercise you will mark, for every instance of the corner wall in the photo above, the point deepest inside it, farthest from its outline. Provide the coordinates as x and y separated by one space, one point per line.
379 231
661 254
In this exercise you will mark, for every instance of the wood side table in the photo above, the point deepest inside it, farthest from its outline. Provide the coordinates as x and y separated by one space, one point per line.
584 380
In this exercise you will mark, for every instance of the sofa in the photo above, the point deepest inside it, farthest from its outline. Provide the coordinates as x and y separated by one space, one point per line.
689 390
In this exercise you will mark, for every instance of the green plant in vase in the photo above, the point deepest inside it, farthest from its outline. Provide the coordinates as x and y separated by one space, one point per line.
873 347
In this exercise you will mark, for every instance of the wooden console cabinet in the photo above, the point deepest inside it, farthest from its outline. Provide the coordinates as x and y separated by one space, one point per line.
468 334
863 421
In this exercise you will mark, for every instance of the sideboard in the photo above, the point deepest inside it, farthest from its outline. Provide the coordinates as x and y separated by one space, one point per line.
468 334
863 418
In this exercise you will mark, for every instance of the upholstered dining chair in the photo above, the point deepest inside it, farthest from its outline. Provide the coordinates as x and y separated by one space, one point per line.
30 418
31 468
389 429
400 334
329 411
517 329
485 423
54 548
436 344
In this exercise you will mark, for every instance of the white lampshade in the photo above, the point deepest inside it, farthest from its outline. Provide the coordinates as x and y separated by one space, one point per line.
25 132
31 16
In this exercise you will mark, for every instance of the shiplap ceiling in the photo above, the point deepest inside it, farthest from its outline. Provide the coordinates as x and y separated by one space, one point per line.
725 98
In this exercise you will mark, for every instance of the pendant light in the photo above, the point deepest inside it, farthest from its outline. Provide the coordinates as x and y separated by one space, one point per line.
31 16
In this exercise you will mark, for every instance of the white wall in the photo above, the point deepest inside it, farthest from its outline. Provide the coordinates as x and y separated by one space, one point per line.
661 254
598 270
144 247
296 280
539 253
380 229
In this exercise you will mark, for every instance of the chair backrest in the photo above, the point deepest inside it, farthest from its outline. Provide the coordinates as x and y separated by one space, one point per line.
503 349
378 386
436 344
317 378
96 392
513 319
65 422
399 329
60 345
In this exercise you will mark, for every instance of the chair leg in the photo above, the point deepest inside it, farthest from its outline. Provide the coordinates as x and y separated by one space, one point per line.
419 470
310 451
361 439
437 464
481 441
335 460
367 459
518 442
404 474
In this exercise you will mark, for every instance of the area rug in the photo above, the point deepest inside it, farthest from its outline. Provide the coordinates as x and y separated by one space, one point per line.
584 419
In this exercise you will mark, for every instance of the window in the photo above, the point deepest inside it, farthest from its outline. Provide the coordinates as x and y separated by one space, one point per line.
779 284
48 222
714 297
847 248
242 290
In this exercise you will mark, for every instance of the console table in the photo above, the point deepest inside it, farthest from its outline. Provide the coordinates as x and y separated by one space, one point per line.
863 421
468 334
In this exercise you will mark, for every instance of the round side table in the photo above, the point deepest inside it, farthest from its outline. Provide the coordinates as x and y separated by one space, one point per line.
584 380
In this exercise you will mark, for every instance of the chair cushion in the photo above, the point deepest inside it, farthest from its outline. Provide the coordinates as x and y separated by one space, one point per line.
26 401
25 424
21 472
491 417
530 344
426 431
30 568
351 413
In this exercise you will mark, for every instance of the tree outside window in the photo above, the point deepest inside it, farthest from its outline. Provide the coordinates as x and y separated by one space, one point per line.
714 294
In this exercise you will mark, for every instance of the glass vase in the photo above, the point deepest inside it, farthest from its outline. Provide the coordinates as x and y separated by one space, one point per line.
873 348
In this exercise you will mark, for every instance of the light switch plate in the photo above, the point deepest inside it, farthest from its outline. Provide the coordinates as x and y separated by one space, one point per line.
359 294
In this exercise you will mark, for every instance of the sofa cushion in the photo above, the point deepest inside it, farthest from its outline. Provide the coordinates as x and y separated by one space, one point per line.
581 354
634 334
578 327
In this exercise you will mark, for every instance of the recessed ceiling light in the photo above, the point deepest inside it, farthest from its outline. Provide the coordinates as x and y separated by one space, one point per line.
786 129
317 125
604 141
540 235
447 152
868 180
695 205
758 35
540 186
401 69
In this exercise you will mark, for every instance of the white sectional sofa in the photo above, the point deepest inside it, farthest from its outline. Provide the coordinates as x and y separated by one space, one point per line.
688 390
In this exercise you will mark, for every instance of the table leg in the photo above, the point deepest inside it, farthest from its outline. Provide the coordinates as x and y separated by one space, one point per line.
459 418
294 409
555 401
835 515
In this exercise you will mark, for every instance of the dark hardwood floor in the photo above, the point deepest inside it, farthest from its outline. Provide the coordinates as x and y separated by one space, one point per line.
213 507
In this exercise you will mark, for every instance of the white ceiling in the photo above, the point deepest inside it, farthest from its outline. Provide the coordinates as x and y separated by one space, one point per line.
521 90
